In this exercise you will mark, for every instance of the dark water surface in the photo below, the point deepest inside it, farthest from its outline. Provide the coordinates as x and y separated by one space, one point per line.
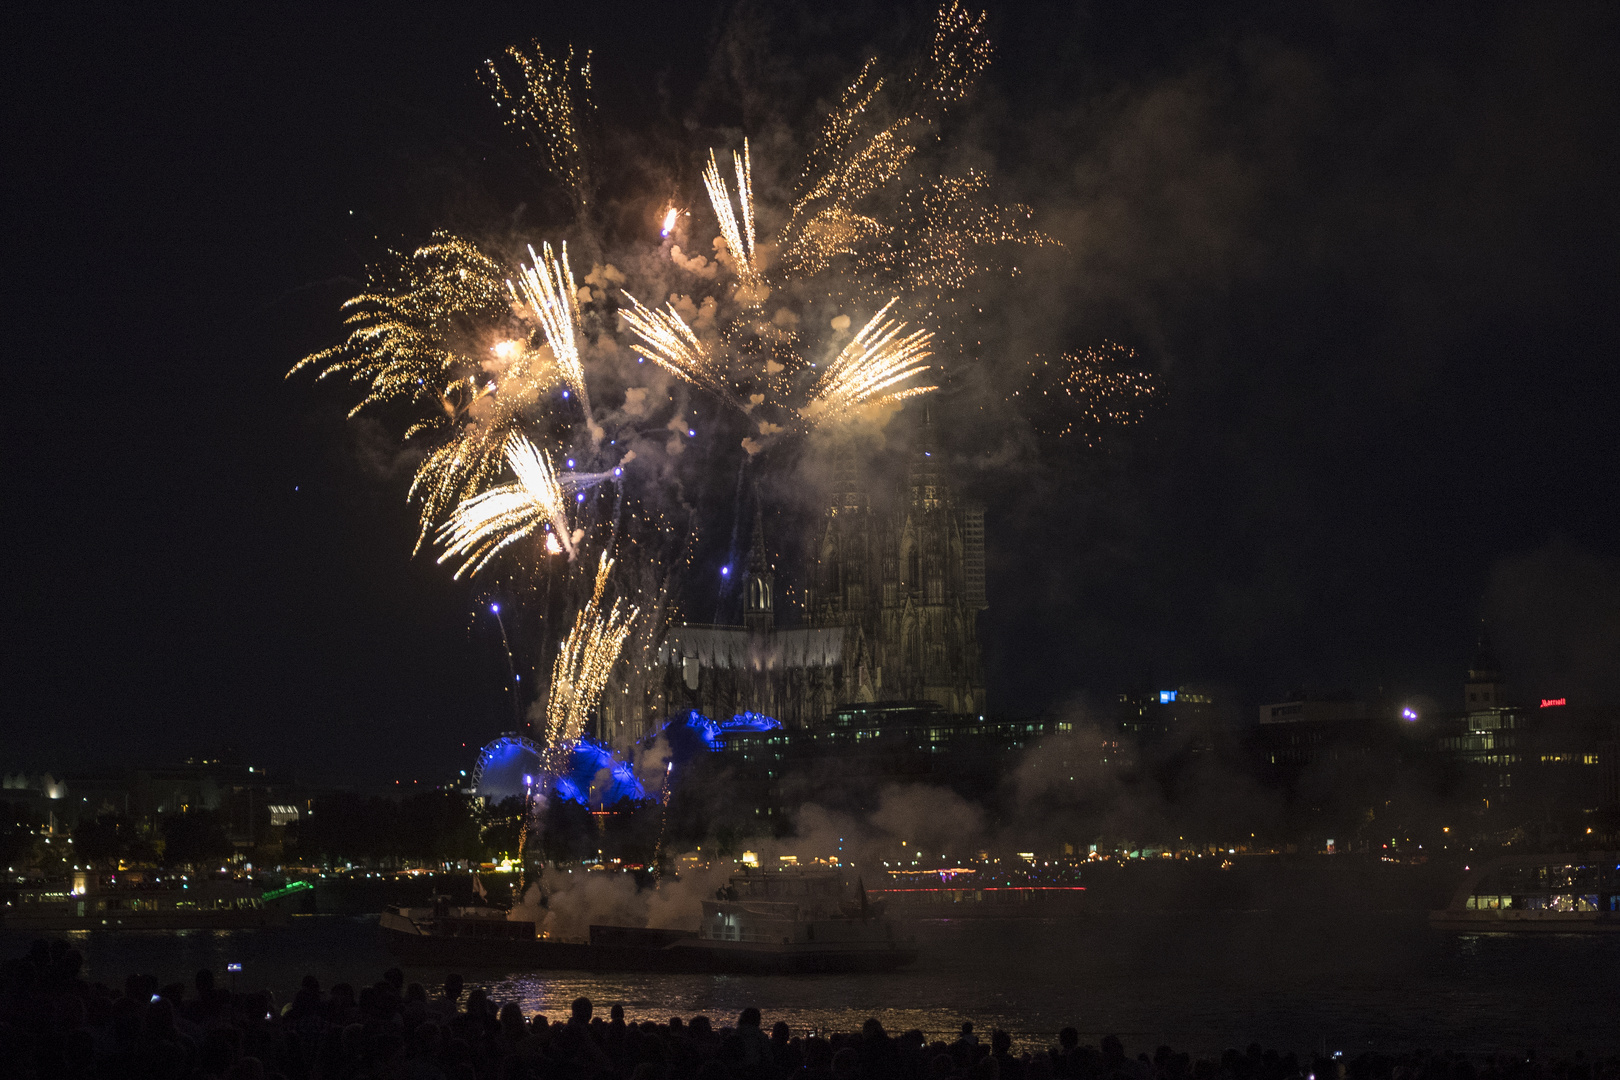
1200 981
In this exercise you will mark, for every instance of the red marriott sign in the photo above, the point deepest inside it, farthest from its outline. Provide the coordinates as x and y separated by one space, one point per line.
1550 702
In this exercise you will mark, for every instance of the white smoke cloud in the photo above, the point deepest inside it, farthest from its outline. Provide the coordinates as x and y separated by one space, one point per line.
565 904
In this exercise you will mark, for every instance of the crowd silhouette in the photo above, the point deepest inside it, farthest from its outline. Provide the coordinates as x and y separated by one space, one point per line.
56 1023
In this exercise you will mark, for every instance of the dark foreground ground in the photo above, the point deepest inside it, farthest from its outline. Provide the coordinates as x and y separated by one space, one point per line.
56 1023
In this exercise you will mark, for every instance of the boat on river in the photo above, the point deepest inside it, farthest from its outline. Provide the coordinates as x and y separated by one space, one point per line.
792 921
202 904
1571 892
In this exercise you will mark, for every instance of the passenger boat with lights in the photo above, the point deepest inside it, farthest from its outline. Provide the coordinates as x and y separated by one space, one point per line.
201 904
1575 892
791 921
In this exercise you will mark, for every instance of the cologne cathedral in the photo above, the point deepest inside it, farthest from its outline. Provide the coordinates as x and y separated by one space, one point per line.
893 584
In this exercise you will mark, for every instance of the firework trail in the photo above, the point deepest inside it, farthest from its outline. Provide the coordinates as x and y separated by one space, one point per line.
670 343
585 661
548 287
878 358
485 524
739 238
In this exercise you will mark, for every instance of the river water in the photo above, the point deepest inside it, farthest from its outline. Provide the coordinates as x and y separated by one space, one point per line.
1200 981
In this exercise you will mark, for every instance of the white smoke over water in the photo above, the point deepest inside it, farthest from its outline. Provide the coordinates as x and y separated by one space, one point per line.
565 904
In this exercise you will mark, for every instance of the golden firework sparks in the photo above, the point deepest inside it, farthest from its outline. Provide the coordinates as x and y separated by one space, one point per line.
1086 394
864 196
953 234
879 357
670 343
485 524
585 661
547 103
403 327
548 287
739 237
411 339
450 336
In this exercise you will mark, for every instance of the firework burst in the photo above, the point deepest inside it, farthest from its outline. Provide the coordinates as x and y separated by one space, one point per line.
738 234
669 342
465 346
879 358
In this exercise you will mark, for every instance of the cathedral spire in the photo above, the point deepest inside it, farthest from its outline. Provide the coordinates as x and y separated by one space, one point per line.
760 610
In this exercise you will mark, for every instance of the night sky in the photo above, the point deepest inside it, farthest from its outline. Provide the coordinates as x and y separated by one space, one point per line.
1369 251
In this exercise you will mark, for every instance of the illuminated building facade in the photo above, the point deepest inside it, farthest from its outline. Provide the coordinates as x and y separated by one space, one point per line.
1546 755
893 585
796 675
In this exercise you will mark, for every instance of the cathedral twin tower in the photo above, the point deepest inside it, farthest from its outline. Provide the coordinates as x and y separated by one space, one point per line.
893 583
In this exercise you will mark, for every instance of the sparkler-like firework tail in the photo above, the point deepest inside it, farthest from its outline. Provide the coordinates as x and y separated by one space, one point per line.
667 341
548 103
739 237
548 287
879 357
454 472
401 327
585 661
745 199
407 330
484 525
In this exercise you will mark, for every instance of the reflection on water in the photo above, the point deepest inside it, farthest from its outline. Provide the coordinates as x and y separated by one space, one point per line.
1199 981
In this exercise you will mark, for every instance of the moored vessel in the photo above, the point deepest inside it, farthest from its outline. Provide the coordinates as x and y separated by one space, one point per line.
1571 892
765 922
188 905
